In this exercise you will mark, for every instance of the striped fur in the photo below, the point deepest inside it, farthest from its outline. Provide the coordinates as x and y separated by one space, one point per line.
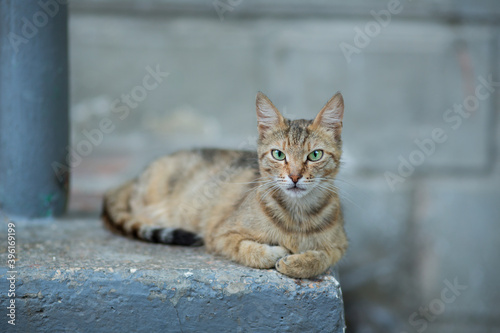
247 206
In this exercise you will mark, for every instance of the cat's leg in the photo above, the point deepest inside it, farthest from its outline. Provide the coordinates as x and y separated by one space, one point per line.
308 264
246 251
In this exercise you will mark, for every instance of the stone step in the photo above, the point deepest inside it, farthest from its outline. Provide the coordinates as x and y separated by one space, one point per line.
75 276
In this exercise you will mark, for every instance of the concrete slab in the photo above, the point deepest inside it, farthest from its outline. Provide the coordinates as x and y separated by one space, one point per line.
75 276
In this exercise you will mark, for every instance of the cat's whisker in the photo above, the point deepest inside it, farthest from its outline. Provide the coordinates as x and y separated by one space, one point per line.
257 187
273 189
271 192
259 182
327 190
273 186
342 196
344 189
254 182
359 192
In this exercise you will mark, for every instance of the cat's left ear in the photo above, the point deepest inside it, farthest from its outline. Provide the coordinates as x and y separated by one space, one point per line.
330 117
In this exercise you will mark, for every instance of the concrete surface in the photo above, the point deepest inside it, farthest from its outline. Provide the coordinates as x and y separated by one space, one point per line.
75 276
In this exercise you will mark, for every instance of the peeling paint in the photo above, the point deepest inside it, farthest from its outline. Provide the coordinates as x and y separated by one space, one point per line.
154 294
182 287
236 288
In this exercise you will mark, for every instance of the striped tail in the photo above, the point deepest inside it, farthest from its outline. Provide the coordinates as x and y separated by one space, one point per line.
117 215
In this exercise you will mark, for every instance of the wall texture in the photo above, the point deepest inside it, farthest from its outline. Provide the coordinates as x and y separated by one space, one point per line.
421 180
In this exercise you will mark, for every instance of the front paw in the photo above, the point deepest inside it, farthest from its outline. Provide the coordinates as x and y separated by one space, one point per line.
293 266
274 253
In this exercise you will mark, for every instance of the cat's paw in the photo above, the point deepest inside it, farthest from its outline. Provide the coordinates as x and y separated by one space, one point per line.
273 254
293 266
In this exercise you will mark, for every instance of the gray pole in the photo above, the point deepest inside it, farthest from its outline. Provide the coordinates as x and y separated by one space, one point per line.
33 107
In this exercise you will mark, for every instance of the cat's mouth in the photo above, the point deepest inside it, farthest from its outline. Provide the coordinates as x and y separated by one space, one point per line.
295 189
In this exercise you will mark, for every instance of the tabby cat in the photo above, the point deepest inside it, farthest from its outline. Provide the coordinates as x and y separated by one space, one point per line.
277 207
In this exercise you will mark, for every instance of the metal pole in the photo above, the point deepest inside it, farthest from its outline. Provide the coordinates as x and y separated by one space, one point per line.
33 107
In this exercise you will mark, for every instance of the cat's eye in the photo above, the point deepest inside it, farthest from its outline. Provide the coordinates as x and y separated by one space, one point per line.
315 155
278 154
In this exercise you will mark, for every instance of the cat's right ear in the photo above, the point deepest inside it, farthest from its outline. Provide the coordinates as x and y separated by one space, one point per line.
268 116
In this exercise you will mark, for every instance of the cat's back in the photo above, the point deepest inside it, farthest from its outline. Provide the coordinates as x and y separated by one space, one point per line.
191 174
205 162
189 186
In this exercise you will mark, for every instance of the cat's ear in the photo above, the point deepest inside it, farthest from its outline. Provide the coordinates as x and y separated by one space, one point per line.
268 116
330 117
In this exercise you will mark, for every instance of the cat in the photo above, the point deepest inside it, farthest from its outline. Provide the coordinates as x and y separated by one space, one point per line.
277 207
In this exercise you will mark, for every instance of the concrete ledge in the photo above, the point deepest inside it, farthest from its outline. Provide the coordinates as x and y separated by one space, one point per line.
75 276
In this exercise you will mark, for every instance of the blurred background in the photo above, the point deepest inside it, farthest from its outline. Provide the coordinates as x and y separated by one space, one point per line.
420 182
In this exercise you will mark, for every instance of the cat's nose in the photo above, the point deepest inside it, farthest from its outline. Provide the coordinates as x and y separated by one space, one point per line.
295 178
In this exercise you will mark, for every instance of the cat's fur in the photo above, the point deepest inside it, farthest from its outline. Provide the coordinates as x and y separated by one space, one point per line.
244 205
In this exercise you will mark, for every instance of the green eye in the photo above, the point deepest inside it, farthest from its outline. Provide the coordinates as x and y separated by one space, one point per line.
315 155
277 154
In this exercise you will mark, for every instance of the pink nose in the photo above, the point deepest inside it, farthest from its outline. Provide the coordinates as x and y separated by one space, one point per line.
295 178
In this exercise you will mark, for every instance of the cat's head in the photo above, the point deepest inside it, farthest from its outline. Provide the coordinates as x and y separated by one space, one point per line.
300 156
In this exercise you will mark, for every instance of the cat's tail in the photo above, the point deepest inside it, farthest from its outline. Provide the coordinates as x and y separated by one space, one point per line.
116 210
118 216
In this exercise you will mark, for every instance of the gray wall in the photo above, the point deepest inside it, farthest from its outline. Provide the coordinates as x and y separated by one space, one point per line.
434 225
